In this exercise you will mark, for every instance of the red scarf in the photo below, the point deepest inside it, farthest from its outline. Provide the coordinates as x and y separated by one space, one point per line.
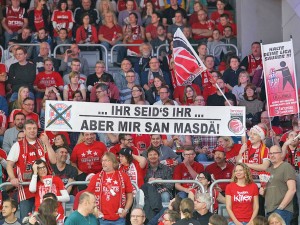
253 63
102 183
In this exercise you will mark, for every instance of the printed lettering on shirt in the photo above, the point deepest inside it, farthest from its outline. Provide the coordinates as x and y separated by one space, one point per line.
242 196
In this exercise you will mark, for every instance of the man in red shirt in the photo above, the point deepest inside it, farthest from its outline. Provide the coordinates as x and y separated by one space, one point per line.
27 110
187 170
215 16
86 156
220 169
224 22
151 28
125 141
202 30
113 191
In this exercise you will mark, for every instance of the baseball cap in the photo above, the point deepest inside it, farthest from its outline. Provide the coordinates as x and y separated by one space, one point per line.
125 151
219 148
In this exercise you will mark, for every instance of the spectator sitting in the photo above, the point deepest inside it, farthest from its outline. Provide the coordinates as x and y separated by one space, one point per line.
105 6
178 23
66 63
9 209
224 22
17 104
39 17
194 16
239 89
123 17
156 5
126 93
215 16
62 38
86 33
202 212
231 75
147 12
86 7
202 29
125 141
44 53
160 39
186 212
187 31
164 95
76 68
151 28
228 38
73 86
253 62
202 51
179 92
138 96
142 63
213 46
13 58
169 13
152 94
24 37
121 5
221 220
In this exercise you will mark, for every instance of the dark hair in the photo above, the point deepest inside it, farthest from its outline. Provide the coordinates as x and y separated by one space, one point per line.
63 137
142 97
50 195
103 86
28 98
234 57
255 43
14 203
253 87
19 114
22 49
135 15
129 158
173 215
260 220
209 56
207 176
60 3
152 149
122 136
228 27
46 212
30 121
178 11
224 15
65 29
77 92
105 77
84 15
176 204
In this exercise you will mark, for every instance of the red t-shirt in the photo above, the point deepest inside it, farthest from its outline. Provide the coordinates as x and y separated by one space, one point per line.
152 30
121 5
62 19
193 18
182 173
242 200
233 27
108 33
109 203
43 80
88 157
209 25
2 83
14 19
51 184
30 116
116 149
141 141
179 92
38 19
220 173
135 172
215 16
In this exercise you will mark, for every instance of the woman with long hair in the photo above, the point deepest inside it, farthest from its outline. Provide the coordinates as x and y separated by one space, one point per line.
239 90
189 95
43 182
138 96
152 94
147 13
62 17
241 196
22 94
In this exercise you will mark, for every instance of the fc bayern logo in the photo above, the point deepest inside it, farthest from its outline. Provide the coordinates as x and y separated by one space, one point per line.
59 115
235 126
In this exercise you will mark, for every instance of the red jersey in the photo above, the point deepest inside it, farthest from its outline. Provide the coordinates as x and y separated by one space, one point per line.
135 172
14 19
38 19
44 80
179 92
141 141
220 173
62 19
233 152
215 16
232 25
71 92
116 149
107 189
208 25
253 63
109 33
182 173
152 30
51 184
242 200
29 116
88 157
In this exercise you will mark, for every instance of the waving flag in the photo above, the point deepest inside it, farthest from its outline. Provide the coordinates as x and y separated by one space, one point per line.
187 63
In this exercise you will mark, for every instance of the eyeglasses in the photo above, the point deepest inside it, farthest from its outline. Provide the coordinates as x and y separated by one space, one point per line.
191 154
163 92
135 90
41 168
136 216
274 153
201 178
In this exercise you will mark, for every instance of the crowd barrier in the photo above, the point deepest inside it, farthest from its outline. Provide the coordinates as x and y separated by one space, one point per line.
105 57
2 53
163 45
226 45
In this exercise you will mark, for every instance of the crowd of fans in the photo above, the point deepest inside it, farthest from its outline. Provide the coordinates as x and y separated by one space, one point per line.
30 75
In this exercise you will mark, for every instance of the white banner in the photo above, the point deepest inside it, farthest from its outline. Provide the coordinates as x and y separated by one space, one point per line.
144 119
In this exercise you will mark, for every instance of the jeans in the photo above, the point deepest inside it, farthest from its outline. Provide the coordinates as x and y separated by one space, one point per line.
14 96
108 47
182 194
201 157
120 221
298 193
287 216
232 223
165 198
8 36
26 206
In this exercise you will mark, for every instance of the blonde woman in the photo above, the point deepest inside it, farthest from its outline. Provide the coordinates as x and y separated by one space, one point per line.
276 219
241 196
22 94
104 6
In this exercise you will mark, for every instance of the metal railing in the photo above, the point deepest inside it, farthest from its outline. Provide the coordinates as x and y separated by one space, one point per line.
85 45
9 184
211 188
226 45
124 45
163 45
178 181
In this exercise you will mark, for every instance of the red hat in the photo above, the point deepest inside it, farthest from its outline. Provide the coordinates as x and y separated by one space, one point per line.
219 149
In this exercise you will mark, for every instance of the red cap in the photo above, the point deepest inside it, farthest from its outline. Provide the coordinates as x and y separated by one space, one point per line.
219 148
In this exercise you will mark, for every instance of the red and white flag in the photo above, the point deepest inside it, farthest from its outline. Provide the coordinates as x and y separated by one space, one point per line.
187 63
